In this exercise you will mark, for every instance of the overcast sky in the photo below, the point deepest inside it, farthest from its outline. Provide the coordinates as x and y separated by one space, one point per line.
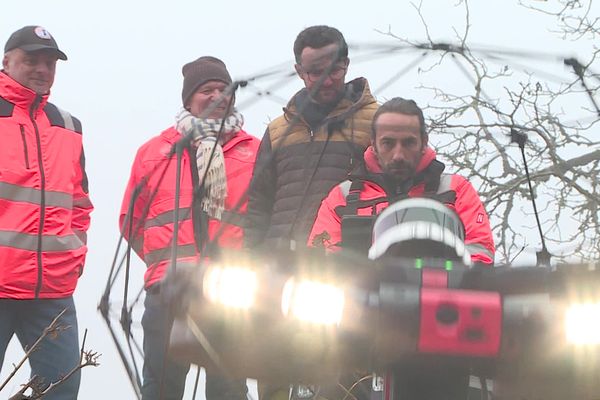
123 81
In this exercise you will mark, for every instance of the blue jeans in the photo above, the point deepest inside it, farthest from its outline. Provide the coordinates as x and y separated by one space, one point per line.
57 354
157 329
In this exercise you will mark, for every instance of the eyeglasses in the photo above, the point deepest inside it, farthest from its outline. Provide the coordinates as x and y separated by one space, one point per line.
336 72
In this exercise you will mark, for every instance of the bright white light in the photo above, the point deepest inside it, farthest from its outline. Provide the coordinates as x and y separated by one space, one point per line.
582 323
313 302
230 286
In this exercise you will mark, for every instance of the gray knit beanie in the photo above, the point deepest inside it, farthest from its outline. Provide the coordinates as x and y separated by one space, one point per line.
200 71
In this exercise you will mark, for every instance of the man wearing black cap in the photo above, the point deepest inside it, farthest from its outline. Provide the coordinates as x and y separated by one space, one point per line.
44 211
217 161
30 56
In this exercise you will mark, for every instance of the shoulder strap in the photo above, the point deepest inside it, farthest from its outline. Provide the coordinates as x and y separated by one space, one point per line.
444 192
351 190
60 117
234 218
199 216
353 195
432 175
6 108
438 186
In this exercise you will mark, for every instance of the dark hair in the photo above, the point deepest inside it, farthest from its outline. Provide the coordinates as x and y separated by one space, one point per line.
399 105
319 36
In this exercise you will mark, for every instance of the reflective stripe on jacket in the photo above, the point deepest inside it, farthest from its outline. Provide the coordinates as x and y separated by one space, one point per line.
153 216
44 202
479 240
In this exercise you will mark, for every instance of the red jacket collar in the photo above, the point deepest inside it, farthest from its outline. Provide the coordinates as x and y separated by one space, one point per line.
372 163
18 94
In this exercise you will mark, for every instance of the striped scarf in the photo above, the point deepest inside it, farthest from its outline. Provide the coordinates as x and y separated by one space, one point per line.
211 172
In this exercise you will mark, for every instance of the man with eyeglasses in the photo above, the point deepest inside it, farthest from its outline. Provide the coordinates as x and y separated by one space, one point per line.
304 153
312 147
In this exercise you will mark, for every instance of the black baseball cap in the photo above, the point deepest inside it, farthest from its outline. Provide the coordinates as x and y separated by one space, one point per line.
33 38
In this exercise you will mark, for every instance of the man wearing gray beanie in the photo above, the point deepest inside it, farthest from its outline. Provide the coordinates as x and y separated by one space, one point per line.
219 157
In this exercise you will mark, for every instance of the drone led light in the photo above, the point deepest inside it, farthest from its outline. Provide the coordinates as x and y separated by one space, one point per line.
313 301
234 287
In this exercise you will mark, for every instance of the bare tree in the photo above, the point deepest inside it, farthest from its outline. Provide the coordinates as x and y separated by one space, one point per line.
38 387
555 118
574 18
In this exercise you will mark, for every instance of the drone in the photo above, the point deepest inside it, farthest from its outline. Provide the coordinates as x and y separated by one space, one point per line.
413 312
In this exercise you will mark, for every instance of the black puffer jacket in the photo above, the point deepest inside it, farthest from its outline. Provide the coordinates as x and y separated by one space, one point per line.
297 166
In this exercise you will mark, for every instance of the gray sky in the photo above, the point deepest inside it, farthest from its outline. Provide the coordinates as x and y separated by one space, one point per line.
123 81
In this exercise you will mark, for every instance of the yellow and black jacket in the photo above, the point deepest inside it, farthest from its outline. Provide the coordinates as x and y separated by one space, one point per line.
297 165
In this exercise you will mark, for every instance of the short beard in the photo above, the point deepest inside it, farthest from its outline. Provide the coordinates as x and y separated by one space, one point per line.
387 169
331 102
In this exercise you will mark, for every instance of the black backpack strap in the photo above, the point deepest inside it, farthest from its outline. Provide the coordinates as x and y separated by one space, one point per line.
234 218
199 216
432 176
444 192
438 186
353 196
6 108
351 191
60 117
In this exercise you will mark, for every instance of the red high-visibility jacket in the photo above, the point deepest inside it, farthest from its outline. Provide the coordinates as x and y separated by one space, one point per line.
153 228
327 229
44 202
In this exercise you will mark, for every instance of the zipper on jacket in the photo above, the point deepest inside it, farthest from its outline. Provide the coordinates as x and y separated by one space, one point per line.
32 110
25 151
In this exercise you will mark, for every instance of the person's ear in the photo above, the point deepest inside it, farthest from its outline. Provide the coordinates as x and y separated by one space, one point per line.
4 61
425 141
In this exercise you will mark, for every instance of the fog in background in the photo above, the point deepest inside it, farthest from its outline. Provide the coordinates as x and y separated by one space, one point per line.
123 81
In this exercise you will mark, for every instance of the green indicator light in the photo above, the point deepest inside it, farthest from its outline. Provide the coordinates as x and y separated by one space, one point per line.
418 263
448 265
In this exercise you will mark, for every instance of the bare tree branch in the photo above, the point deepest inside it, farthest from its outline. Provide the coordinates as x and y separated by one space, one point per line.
37 385
53 329
472 129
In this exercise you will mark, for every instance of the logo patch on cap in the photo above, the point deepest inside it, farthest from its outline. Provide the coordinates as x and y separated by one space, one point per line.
42 33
